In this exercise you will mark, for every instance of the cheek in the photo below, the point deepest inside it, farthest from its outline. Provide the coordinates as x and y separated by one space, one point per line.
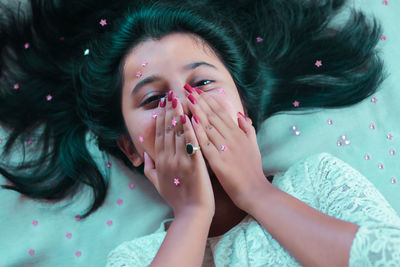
142 131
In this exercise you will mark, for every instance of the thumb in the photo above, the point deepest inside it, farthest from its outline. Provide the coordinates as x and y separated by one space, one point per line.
149 169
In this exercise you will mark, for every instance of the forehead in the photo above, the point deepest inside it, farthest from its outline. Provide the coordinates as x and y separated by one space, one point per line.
176 48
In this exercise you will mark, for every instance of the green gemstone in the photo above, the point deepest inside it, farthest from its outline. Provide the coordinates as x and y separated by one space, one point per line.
189 149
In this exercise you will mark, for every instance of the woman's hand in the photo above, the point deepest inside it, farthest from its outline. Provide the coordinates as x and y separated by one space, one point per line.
231 150
181 179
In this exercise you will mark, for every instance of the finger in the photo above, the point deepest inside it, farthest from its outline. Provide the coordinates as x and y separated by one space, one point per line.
149 170
242 122
199 106
160 122
180 139
190 136
208 148
169 138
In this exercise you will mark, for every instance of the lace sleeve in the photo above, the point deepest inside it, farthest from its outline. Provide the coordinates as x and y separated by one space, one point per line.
347 195
136 253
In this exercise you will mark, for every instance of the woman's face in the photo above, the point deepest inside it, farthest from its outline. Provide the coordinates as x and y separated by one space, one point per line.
153 68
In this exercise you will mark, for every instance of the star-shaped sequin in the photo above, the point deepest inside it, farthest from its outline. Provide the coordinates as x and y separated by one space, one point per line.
138 74
103 22
318 63
176 181
296 103
174 122
26 45
259 39
141 139
16 86
49 97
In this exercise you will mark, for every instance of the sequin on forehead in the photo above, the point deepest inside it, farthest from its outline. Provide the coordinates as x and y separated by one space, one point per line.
141 139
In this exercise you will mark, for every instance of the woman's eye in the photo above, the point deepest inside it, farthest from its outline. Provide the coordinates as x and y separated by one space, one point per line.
203 82
152 99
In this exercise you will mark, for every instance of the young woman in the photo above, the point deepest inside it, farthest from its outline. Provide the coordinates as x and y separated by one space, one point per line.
210 74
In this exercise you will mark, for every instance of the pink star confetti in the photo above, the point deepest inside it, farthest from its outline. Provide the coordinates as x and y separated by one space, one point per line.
68 235
138 74
221 90
78 253
31 252
26 45
383 38
330 122
109 164
259 39
296 103
49 97
131 186
392 152
144 63
367 157
29 141
389 136
318 63
103 22
119 201
393 180
223 148
372 126
373 100
154 115
16 86
380 166
294 128
176 181
35 222
296 133
141 139
109 222
174 122
78 218
385 2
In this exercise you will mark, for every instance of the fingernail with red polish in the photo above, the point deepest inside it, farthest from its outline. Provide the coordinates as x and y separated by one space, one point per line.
174 103
183 119
170 95
198 90
195 118
188 88
192 99
242 115
162 102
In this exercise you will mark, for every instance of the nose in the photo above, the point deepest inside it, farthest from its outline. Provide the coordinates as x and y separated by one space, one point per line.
180 93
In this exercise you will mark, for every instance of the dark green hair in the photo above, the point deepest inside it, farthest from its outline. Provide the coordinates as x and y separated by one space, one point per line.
269 73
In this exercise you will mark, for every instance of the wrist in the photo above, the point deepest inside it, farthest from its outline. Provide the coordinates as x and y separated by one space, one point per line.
196 213
255 196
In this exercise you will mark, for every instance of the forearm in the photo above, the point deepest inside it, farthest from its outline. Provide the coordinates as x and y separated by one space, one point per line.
185 241
313 238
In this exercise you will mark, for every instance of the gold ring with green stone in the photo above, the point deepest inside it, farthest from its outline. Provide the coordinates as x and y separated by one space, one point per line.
190 149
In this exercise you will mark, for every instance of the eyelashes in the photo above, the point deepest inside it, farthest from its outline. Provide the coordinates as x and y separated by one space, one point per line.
156 98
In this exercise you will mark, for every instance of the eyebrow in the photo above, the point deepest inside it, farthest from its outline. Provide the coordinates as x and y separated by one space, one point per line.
155 78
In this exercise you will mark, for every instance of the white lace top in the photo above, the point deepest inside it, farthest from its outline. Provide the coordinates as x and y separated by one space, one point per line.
322 181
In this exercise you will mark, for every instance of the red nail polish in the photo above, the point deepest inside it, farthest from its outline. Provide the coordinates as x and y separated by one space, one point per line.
242 115
188 88
174 103
195 118
192 99
198 90
163 102
170 95
183 119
